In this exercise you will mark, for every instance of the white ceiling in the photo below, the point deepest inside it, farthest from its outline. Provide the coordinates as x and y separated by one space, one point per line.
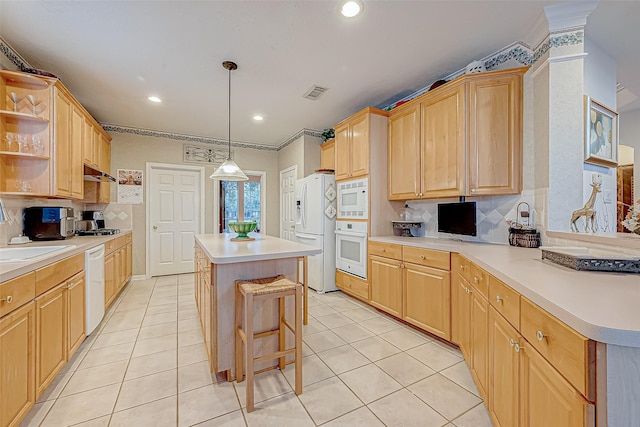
113 54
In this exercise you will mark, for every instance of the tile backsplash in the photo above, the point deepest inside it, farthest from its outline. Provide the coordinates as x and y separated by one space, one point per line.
492 214
116 215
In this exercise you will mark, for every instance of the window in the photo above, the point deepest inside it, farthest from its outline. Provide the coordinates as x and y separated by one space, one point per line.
240 201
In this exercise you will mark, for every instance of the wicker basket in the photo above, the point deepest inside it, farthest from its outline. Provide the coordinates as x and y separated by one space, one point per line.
523 237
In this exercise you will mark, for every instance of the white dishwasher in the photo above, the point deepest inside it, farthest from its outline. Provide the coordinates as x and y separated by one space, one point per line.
94 289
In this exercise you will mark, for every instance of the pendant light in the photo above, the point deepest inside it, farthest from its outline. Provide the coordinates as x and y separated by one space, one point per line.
229 170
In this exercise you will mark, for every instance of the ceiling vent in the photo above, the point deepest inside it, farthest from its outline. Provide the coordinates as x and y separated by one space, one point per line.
315 92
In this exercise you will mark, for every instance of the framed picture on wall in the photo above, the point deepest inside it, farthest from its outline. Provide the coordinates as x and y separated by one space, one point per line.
600 134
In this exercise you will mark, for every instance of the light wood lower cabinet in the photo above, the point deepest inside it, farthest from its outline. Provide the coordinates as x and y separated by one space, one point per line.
51 335
480 341
427 299
386 284
76 326
204 297
504 360
546 398
17 364
117 267
354 286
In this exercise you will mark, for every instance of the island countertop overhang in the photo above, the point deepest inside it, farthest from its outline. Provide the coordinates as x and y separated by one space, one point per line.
221 250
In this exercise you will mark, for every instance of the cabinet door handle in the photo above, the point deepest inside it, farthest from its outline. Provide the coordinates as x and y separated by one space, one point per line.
421 195
473 190
498 299
467 290
540 335
512 342
382 250
517 348
462 267
8 299
422 257
475 279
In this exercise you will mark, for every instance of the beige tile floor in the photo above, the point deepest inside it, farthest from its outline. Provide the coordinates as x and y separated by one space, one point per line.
146 365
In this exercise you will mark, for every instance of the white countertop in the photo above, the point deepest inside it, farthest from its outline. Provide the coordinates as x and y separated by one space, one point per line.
221 250
600 305
80 244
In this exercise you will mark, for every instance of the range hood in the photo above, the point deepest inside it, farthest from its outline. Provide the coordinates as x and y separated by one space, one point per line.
97 176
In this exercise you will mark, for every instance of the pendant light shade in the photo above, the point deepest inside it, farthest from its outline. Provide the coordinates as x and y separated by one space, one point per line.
229 170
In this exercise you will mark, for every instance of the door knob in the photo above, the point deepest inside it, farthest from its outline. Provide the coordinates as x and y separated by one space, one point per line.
155 227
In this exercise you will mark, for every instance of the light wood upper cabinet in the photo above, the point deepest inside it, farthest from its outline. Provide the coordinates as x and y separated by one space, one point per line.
353 139
442 150
495 134
470 133
328 154
53 140
25 145
403 181
17 364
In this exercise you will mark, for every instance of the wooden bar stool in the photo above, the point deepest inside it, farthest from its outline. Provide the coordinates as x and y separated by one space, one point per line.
250 291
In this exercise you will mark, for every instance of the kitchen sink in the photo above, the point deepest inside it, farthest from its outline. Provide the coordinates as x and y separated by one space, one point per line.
30 253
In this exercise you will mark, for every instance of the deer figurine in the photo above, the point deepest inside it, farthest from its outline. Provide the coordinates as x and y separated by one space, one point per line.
587 211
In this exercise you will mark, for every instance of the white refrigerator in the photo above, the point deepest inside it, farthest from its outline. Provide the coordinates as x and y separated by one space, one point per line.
315 225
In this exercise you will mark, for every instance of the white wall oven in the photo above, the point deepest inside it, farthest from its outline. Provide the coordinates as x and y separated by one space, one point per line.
351 247
353 199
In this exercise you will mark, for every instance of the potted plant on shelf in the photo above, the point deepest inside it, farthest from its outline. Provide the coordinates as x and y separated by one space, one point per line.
327 134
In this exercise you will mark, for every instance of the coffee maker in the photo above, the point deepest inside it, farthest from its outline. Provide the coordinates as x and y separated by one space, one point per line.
97 216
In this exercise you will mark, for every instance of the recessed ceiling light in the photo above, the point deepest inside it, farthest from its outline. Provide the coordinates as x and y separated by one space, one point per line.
154 99
351 8
258 118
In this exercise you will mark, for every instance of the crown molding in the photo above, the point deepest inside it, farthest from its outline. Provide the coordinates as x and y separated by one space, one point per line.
13 55
570 15
205 139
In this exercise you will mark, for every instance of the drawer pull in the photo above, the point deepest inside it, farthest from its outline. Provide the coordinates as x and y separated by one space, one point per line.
498 299
8 299
517 348
539 335
382 250
475 279
512 342
462 267
422 257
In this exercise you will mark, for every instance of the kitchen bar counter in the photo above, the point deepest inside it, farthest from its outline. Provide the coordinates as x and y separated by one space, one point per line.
601 306
10 270
215 289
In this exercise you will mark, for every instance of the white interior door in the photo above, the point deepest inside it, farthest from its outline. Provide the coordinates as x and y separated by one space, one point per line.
288 203
174 216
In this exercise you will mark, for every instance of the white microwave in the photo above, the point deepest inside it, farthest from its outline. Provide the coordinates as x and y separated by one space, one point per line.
353 199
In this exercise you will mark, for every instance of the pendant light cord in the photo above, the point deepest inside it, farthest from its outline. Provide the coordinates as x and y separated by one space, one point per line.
229 156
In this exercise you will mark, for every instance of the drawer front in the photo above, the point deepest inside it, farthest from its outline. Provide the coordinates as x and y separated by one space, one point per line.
464 267
352 285
480 280
109 246
572 354
49 276
16 292
388 250
427 257
505 300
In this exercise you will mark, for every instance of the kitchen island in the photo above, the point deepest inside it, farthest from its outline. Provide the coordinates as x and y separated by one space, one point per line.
219 262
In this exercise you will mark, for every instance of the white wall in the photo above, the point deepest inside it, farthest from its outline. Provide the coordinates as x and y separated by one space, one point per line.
600 84
630 135
303 152
130 151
